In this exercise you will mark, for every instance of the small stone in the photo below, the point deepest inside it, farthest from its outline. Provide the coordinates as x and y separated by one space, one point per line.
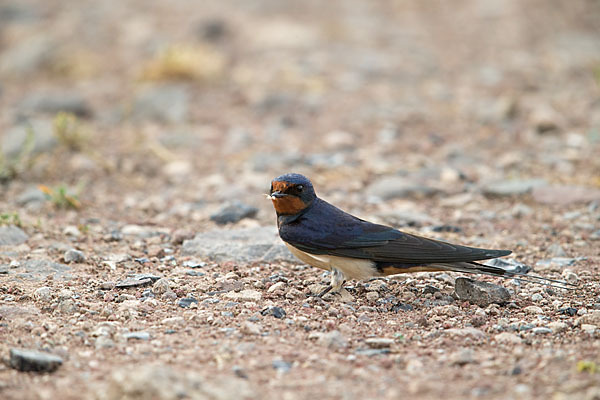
73 255
571 277
333 340
137 280
161 286
169 295
480 293
108 285
533 310
511 187
163 103
251 328
557 326
186 302
104 342
139 335
372 296
507 337
462 357
556 250
277 286
12 236
173 321
541 330
589 328
466 332
244 295
233 212
33 361
71 230
55 102
277 312
537 297
379 343
281 366
67 306
592 318
43 293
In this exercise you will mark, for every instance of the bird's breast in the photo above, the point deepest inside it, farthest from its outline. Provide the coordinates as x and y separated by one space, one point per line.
352 268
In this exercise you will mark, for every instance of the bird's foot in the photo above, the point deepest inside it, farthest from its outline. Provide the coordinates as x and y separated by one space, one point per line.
324 291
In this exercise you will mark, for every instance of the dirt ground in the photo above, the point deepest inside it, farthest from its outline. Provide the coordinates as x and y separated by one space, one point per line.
126 126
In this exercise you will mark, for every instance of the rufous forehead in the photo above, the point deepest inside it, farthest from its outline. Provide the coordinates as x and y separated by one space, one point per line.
280 186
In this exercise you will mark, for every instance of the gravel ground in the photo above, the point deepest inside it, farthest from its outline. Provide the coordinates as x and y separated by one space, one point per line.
139 259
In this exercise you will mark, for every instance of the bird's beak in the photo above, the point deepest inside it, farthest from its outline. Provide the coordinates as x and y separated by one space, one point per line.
276 195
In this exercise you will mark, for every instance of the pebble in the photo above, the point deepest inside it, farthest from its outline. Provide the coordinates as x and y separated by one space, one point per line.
139 335
541 330
507 337
161 286
54 102
244 295
169 295
277 312
43 293
511 187
162 103
108 285
557 326
233 212
537 297
73 255
187 302
333 340
251 328
173 321
239 245
281 366
276 286
137 280
556 250
379 343
372 296
463 332
534 310
33 361
12 236
480 293
462 357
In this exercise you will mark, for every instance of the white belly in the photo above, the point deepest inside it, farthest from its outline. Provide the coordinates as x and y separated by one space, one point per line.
352 268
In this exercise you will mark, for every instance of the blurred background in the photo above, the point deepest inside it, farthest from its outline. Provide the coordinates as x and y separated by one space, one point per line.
158 110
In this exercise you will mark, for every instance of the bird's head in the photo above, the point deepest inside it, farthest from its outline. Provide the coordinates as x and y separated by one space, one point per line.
291 194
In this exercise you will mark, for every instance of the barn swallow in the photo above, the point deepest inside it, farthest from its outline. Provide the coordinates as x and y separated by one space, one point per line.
326 237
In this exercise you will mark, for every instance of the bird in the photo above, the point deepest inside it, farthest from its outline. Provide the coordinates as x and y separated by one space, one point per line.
324 236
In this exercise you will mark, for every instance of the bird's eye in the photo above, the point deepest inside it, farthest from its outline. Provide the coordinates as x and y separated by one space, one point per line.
299 188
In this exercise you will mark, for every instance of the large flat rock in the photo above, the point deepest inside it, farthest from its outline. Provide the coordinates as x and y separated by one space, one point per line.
239 245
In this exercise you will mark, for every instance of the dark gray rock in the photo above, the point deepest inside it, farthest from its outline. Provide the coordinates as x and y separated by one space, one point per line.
14 139
54 102
12 236
38 269
73 255
239 245
514 187
28 56
480 293
137 280
233 212
34 361
165 103
277 312
31 196
186 302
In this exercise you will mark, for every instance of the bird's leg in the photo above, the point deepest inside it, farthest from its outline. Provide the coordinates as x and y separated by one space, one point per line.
337 280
